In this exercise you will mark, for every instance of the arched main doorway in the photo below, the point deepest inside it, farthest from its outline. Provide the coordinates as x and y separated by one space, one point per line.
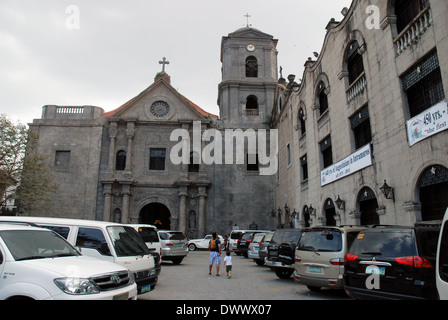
156 214
433 185
330 213
368 206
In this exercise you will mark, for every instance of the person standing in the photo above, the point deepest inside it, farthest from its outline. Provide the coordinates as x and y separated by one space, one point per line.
228 264
215 253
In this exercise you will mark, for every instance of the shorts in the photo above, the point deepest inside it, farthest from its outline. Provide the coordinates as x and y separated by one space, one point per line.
214 256
228 268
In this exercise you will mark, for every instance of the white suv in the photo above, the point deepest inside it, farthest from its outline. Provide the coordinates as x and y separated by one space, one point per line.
38 264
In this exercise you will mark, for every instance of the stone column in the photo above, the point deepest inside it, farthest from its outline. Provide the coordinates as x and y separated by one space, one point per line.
130 131
202 211
183 210
126 190
107 202
112 135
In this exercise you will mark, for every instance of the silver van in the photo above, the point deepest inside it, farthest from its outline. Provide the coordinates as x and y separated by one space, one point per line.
174 245
319 256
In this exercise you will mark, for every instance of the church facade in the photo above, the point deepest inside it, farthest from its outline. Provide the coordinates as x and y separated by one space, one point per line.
144 161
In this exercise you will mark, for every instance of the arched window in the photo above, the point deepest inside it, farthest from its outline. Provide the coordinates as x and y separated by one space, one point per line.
355 65
302 125
120 161
193 166
252 105
251 67
322 97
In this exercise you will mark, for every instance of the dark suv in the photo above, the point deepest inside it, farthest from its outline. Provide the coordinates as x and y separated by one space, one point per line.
392 262
281 251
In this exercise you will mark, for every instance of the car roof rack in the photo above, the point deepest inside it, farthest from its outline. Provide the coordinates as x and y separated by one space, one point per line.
430 223
21 223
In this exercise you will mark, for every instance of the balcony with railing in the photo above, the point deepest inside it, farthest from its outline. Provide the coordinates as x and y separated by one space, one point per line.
357 88
414 31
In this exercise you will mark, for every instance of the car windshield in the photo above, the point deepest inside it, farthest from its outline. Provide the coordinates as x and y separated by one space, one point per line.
36 244
127 241
321 241
390 243
286 236
268 237
258 237
172 236
148 234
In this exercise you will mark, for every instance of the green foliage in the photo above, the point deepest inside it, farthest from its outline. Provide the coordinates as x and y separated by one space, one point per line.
26 174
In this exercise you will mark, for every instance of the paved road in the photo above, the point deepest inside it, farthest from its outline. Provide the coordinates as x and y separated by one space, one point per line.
191 281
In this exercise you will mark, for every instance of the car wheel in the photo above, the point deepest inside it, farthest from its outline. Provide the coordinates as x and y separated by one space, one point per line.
191 247
259 262
177 260
314 289
283 274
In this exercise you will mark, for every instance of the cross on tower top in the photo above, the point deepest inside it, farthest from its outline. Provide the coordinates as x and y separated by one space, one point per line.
164 62
247 17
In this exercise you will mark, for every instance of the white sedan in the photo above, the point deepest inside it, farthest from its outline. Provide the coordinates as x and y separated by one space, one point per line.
202 243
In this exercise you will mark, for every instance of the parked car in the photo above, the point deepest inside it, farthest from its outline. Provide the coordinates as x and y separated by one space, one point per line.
442 260
243 243
263 248
174 245
281 252
254 247
319 256
393 262
108 241
38 264
150 236
194 244
236 235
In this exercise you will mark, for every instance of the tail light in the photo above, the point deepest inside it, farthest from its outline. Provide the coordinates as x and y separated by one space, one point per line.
414 261
297 259
337 262
350 257
170 245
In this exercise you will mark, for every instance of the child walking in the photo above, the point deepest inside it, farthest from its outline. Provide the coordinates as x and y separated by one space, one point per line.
228 264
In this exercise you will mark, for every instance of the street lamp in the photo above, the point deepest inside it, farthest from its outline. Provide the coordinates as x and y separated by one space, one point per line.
340 203
388 191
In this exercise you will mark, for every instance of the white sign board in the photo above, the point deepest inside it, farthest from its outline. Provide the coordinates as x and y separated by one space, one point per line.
428 123
359 160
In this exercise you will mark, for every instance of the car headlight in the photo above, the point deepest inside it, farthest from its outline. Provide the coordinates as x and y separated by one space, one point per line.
76 286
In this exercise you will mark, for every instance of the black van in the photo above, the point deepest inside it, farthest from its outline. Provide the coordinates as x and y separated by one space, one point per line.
281 252
393 262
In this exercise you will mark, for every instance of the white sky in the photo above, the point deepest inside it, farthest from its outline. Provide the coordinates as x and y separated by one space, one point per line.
115 53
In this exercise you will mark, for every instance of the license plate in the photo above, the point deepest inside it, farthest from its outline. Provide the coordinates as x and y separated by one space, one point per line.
146 288
315 269
376 270
180 245
123 296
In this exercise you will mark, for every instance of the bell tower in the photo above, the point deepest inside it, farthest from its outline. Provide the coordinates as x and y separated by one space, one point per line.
249 78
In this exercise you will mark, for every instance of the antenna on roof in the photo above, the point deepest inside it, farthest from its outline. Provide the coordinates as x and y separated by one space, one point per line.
247 18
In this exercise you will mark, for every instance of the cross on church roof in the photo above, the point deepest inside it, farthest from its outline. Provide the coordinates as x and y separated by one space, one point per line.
164 62
247 17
